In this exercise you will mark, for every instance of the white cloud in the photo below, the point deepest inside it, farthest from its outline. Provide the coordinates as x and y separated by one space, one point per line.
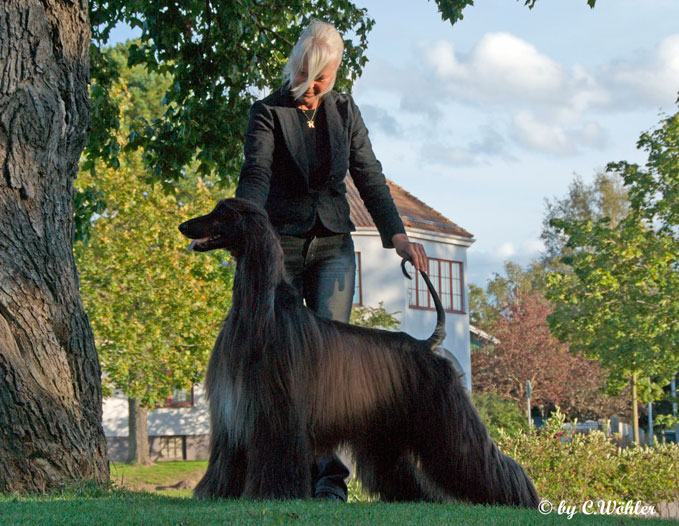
506 250
532 99
502 63
533 247
652 76
441 57
591 135
532 133
554 137
484 262
414 102
502 68
504 72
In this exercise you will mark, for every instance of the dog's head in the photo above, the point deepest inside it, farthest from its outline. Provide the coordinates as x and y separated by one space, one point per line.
225 227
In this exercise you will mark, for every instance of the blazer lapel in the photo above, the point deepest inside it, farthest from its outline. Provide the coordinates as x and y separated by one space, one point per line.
292 132
336 133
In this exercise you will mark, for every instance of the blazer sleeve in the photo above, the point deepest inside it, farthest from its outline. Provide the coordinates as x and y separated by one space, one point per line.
255 174
366 171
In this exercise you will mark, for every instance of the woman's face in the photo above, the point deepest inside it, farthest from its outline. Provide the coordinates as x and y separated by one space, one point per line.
310 98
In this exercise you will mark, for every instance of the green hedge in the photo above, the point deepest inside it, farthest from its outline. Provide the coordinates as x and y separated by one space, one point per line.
576 467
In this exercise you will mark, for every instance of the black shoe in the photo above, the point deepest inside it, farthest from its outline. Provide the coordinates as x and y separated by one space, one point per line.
329 495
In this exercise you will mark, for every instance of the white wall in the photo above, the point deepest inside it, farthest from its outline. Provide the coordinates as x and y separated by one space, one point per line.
383 281
165 421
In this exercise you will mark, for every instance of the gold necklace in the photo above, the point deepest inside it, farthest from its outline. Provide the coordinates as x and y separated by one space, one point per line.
310 121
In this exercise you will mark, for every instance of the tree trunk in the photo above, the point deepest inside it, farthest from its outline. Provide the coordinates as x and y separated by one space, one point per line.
635 411
137 434
50 386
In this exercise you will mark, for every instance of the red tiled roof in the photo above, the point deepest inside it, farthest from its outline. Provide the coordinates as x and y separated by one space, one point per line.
414 213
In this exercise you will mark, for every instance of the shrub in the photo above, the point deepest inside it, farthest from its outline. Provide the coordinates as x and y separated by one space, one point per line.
499 413
576 467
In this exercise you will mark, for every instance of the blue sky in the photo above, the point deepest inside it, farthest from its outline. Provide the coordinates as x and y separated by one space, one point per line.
486 119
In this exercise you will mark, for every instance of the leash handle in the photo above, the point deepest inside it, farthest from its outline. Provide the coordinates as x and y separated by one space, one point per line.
440 332
403 267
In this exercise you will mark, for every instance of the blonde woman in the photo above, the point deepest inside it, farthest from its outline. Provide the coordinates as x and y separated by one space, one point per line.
299 145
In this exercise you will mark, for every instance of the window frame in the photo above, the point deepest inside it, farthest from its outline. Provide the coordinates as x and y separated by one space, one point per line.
358 285
416 286
166 440
168 403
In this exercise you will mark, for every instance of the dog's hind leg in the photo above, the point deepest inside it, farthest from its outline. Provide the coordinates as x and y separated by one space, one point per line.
390 474
279 459
457 453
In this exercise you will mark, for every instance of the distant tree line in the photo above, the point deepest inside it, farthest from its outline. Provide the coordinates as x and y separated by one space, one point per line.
596 317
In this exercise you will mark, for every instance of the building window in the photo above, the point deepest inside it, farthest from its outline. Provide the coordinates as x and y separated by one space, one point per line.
172 448
446 276
179 398
358 298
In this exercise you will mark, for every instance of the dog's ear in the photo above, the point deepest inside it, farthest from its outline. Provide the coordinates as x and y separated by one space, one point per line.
227 212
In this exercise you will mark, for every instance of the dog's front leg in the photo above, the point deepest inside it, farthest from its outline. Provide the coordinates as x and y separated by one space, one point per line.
225 475
279 458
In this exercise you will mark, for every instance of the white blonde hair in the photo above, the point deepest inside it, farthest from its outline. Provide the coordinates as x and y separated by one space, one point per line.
320 45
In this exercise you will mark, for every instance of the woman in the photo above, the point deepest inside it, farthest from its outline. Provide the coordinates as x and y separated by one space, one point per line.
299 144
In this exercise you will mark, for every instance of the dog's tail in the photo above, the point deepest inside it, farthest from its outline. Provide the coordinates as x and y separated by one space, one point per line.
458 454
439 333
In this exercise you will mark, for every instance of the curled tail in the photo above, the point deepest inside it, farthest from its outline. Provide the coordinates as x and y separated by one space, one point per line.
439 333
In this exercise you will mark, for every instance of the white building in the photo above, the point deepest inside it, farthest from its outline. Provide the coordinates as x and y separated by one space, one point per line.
180 430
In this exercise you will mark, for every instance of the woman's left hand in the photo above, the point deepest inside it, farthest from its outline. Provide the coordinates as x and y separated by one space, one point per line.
413 252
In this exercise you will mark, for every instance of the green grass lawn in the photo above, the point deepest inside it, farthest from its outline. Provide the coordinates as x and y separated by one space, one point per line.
119 508
122 506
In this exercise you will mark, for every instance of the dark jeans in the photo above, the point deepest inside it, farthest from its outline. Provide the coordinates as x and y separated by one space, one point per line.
323 270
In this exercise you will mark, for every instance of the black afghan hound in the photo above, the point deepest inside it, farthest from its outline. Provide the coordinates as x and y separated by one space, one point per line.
285 385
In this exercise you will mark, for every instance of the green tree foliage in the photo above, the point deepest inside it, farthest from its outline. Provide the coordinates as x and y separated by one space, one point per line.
513 309
375 317
479 306
618 301
132 94
606 196
452 9
221 55
154 307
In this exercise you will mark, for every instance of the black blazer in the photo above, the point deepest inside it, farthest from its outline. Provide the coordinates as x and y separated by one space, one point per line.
275 173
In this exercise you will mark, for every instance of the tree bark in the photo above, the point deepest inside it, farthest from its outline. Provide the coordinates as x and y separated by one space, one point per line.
50 385
137 434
